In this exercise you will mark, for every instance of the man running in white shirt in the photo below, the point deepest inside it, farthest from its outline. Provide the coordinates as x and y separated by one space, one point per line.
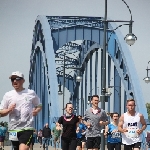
18 104
131 125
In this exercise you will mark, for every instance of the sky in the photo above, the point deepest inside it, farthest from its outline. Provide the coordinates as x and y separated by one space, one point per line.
17 20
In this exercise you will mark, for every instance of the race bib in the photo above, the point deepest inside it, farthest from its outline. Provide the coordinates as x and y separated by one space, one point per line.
132 132
116 135
13 136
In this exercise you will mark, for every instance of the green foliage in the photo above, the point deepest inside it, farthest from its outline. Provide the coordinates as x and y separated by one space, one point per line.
5 124
148 109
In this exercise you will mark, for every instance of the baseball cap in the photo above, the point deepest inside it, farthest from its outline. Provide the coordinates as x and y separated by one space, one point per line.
17 73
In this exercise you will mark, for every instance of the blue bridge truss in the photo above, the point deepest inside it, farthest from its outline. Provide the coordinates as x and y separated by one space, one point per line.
75 44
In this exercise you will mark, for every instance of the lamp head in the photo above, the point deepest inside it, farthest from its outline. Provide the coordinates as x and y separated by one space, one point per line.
130 39
75 110
60 92
108 92
147 79
88 102
78 78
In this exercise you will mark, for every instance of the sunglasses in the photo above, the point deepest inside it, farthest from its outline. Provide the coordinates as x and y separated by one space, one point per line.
17 79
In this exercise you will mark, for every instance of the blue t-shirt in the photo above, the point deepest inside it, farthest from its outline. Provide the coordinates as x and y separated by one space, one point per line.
81 128
113 137
2 131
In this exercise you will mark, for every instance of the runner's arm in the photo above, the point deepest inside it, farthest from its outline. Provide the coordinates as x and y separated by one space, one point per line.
104 119
5 107
144 125
106 130
36 103
6 111
120 125
84 119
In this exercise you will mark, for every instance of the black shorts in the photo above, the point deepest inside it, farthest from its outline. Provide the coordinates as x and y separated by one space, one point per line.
33 140
130 147
93 142
112 146
83 138
24 137
68 144
79 142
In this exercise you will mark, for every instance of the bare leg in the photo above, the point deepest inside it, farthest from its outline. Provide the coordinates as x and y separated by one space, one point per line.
31 146
0 145
23 147
83 145
3 145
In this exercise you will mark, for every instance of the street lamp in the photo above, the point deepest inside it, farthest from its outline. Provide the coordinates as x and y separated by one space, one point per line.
108 92
147 79
78 78
130 39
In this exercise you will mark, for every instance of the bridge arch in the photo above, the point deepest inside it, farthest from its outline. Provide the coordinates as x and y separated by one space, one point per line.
51 33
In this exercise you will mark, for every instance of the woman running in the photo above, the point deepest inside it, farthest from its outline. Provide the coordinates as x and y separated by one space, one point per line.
113 136
69 123
80 131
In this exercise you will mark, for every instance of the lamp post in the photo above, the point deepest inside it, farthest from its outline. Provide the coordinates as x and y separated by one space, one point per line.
64 82
147 78
78 78
130 39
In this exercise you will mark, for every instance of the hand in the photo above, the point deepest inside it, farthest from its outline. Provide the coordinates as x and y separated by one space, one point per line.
88 125
124 130
11 107
139 131
105 133
34 112
101 122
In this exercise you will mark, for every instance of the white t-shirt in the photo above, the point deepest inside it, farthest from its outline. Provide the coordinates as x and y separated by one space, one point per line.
21 117
132 123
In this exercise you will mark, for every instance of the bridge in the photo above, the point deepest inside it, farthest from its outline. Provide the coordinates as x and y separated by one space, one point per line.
72 56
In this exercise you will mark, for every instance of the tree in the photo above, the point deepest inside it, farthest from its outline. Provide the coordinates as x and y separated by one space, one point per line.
148 109
5 124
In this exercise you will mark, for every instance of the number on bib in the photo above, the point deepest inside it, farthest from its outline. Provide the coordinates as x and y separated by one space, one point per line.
13 136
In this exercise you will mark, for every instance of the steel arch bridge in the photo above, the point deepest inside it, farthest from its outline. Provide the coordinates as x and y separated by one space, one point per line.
80 41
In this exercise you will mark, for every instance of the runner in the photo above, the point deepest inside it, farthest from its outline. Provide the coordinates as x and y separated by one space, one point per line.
3 131
147 139
18 104
111 131
56 131
46 135
131 124
81 134
40 137
69 122
94 119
